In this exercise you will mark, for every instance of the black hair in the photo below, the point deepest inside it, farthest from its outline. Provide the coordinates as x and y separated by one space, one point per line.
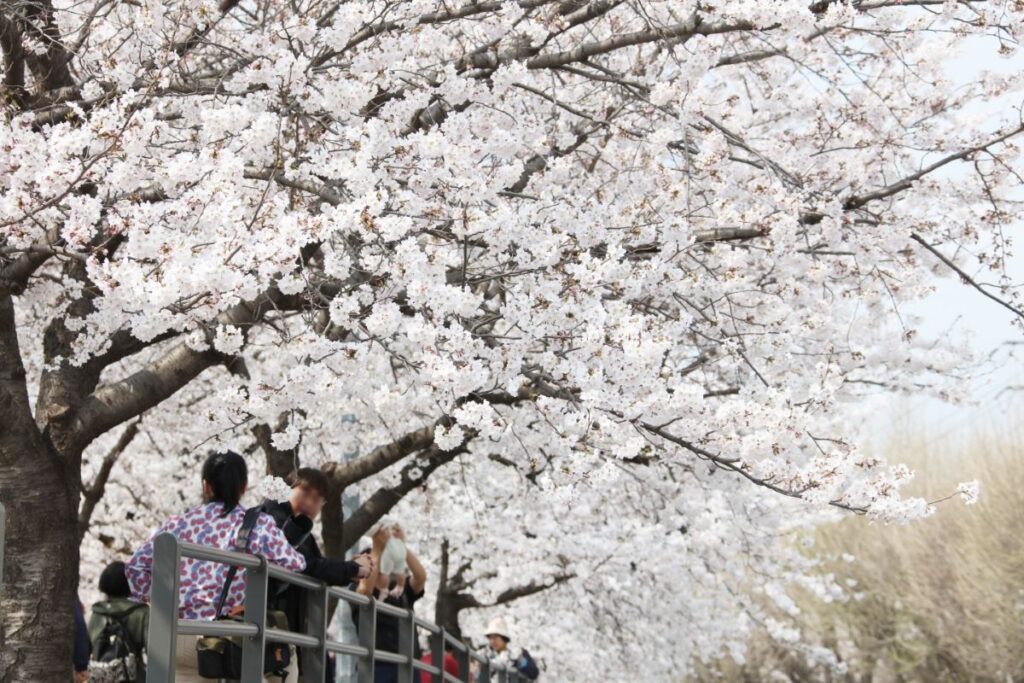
227 475
113 582
310 477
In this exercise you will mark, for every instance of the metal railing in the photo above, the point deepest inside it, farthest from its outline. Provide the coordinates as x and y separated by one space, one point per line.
312 640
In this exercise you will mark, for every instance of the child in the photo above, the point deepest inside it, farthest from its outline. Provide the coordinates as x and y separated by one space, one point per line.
392 559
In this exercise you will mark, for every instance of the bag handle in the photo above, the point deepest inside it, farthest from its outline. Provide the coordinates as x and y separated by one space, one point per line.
241 544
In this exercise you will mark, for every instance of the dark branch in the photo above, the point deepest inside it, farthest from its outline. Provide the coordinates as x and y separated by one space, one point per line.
112 404
92 494
381 502
967 279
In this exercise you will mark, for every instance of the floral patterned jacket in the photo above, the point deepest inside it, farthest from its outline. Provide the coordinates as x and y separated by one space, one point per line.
201 582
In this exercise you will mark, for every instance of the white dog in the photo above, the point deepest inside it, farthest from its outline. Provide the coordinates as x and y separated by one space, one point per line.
392 559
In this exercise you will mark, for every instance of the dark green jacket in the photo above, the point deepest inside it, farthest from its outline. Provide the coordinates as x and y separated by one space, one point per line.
136 621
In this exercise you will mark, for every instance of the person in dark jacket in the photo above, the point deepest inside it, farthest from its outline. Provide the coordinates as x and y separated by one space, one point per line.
379 584
295 518
118 606
80 656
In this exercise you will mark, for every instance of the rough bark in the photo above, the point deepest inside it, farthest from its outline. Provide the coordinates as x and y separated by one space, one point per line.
332 519
280 463
40 491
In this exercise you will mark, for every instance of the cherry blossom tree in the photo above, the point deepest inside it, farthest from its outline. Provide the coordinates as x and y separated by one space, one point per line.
593 280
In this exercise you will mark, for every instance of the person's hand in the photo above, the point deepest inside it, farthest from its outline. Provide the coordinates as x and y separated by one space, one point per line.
366 564
399 533
380 539
82 676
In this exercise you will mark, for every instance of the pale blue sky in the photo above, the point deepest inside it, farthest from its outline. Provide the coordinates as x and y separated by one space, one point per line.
958 308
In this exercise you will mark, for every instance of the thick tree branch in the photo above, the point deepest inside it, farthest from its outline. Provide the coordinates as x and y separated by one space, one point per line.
584 52
13 91
727 234
413 476
380 458
15 275
414 473
453 598
112 404
532 588
280 463
50 68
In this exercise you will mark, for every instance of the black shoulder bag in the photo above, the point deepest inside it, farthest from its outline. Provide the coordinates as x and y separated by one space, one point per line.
220 657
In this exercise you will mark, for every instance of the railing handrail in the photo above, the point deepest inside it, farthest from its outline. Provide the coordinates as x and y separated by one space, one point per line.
165 626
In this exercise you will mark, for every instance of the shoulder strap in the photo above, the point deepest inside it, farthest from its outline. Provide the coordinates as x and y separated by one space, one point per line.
241 545
121 622
114 626
136 647
295 540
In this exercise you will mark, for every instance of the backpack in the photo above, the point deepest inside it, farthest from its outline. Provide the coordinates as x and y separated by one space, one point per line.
116 657
526 666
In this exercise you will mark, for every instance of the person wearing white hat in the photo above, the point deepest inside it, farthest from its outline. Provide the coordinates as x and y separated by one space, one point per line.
499 636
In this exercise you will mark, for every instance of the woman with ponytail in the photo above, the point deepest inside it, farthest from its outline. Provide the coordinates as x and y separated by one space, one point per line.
215 523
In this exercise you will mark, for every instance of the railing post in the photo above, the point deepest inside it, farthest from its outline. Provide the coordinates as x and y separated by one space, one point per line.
437 643
255 613
163 612
314 660
368 639
407 647
462 657
485 670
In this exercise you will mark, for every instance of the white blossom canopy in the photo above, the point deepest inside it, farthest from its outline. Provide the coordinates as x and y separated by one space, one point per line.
600 274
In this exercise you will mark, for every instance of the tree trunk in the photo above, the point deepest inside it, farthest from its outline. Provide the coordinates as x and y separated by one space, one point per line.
446 615
40 574
446 605
332 518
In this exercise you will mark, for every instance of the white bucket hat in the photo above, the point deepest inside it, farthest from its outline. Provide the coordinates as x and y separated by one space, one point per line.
498 627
